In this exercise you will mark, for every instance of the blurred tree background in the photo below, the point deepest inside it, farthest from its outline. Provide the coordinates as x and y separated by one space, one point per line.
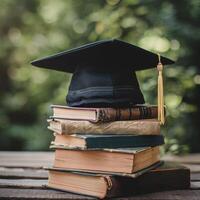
36 28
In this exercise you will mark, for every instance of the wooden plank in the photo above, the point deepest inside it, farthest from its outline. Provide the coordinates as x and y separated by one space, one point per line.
188 159
40 159
27 194
194 168
26 159
195 185
168 195
11 173
195 176
22 183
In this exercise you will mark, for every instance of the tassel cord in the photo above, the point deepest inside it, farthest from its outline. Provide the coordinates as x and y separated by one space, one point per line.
161 114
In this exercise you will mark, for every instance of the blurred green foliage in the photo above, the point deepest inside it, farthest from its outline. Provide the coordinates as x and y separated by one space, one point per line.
31 29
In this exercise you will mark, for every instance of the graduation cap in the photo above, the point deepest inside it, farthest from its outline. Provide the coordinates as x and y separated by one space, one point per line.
104 73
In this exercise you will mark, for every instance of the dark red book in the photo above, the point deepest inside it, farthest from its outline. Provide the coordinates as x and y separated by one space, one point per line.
105 114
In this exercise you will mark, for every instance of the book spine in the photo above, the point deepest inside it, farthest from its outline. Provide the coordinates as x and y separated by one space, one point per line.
121 114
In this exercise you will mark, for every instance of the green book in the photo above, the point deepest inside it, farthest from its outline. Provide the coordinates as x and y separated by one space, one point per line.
107 141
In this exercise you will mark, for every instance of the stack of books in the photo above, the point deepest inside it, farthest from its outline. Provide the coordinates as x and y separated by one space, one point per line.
110 152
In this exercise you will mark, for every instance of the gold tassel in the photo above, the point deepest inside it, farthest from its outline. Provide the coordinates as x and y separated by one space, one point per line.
161 114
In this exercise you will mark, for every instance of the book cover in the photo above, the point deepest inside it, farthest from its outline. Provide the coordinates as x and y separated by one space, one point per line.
96 115
122 160
107 141
135 127
163 178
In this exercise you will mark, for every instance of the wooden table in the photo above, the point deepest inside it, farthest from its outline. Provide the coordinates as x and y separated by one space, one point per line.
22 177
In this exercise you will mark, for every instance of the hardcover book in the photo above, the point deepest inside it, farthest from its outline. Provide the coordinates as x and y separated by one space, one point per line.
106 160
135 127
83 141
104 114
167 177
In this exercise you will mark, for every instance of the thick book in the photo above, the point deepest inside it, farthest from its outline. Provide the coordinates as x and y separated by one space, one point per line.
106 160
105 114
135 127
107 141
163 178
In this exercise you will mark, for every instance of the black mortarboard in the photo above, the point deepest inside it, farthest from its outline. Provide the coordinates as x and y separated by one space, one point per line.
103 72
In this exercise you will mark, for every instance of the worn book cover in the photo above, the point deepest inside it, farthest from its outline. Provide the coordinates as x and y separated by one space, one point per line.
107 141
135 127
122 160
97 115
166 177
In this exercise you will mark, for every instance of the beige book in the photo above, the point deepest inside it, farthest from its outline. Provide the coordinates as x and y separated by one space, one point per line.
135 127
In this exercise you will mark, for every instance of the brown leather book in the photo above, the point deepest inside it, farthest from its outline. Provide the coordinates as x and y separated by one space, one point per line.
105 114
166 177
135 127
106 160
